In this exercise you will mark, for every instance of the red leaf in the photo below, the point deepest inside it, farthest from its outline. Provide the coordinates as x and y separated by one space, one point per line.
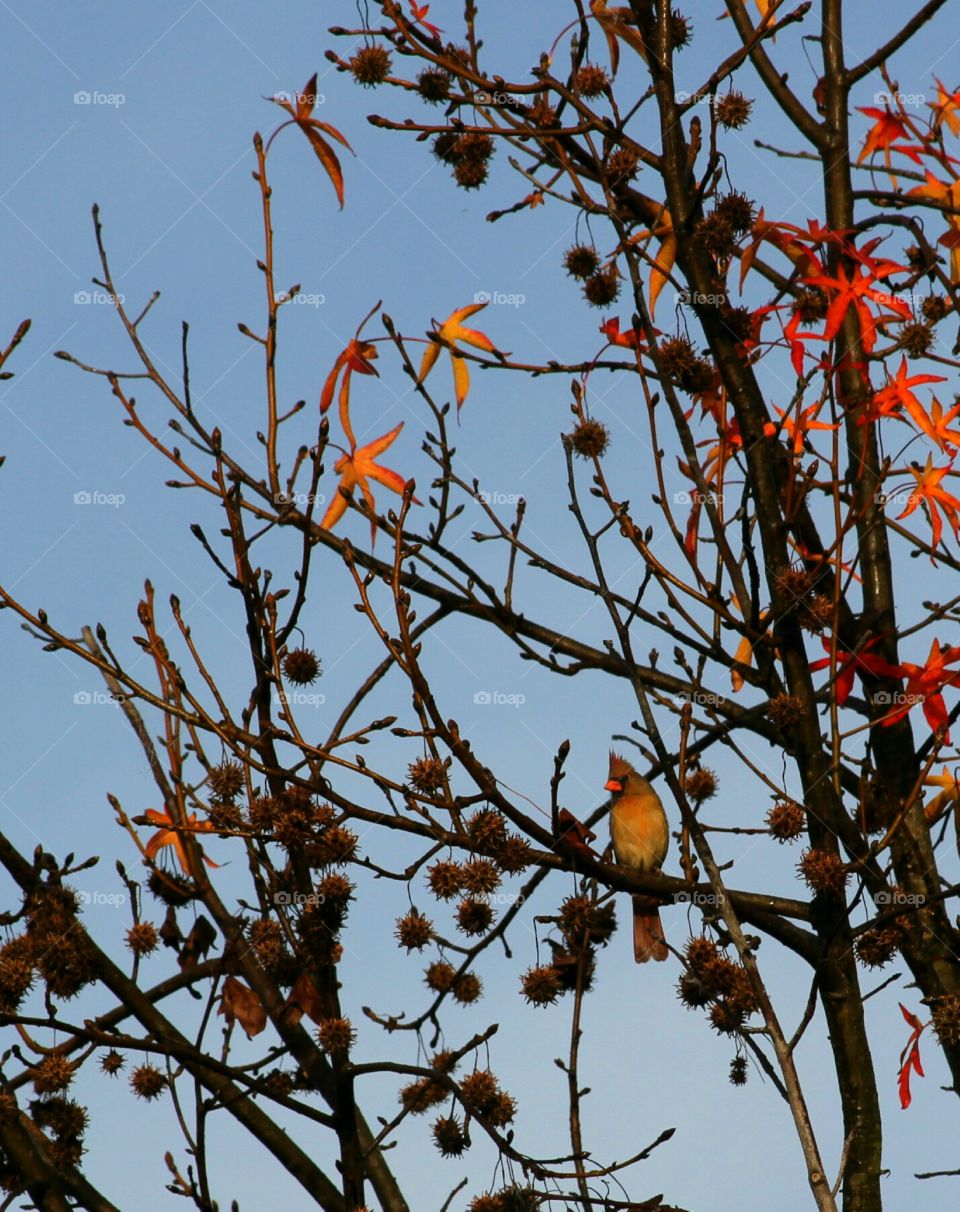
241 1003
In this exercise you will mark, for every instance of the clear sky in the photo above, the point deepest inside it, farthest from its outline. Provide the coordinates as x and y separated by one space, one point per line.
149 111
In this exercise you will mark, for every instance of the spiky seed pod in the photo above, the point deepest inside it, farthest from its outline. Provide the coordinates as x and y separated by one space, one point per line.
916 258
459 54
226 817
738 1071
676 357
467 988
701 785
699 378
264 810
681 31
66 962
440 976
16 972
65 1153
715 232
266 938
877 946
338 844
824 872
301 666
444 1062
592 80
933 308
581 261
112 1062
741 995
147 1082
449 1137
427 774
817 614
336 1036
65 1118
445 147
475 145
786 820
445 879
433 85
581 920
541 985
487 1203
945 1012
370 65
725 1018
335 887
414 931
143 938
226 781
474 916
487 828
480 1090
623 164
738 322
542 113
279 1082
785 710
421 1095
699 951
470 174
172 889
917 339
503 1111
567 964
811 305
590 439
480 876
738 210
602 288
514 855
692 991
720 975
52 1074
733 110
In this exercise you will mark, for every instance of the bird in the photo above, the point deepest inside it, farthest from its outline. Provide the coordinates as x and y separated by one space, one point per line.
640 835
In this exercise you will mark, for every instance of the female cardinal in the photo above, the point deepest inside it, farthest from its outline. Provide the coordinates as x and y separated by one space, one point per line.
638 827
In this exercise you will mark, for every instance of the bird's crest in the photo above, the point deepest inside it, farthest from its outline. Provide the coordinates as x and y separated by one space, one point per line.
619 766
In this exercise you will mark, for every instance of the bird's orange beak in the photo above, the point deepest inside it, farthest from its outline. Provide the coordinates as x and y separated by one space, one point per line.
613 785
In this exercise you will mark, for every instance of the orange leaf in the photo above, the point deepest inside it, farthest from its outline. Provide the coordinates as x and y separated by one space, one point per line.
169 834
451 331
355 469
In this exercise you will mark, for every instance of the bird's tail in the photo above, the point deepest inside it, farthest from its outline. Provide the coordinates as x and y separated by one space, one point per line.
648 940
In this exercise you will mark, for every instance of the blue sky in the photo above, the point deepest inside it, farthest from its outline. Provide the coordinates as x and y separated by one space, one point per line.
149 111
